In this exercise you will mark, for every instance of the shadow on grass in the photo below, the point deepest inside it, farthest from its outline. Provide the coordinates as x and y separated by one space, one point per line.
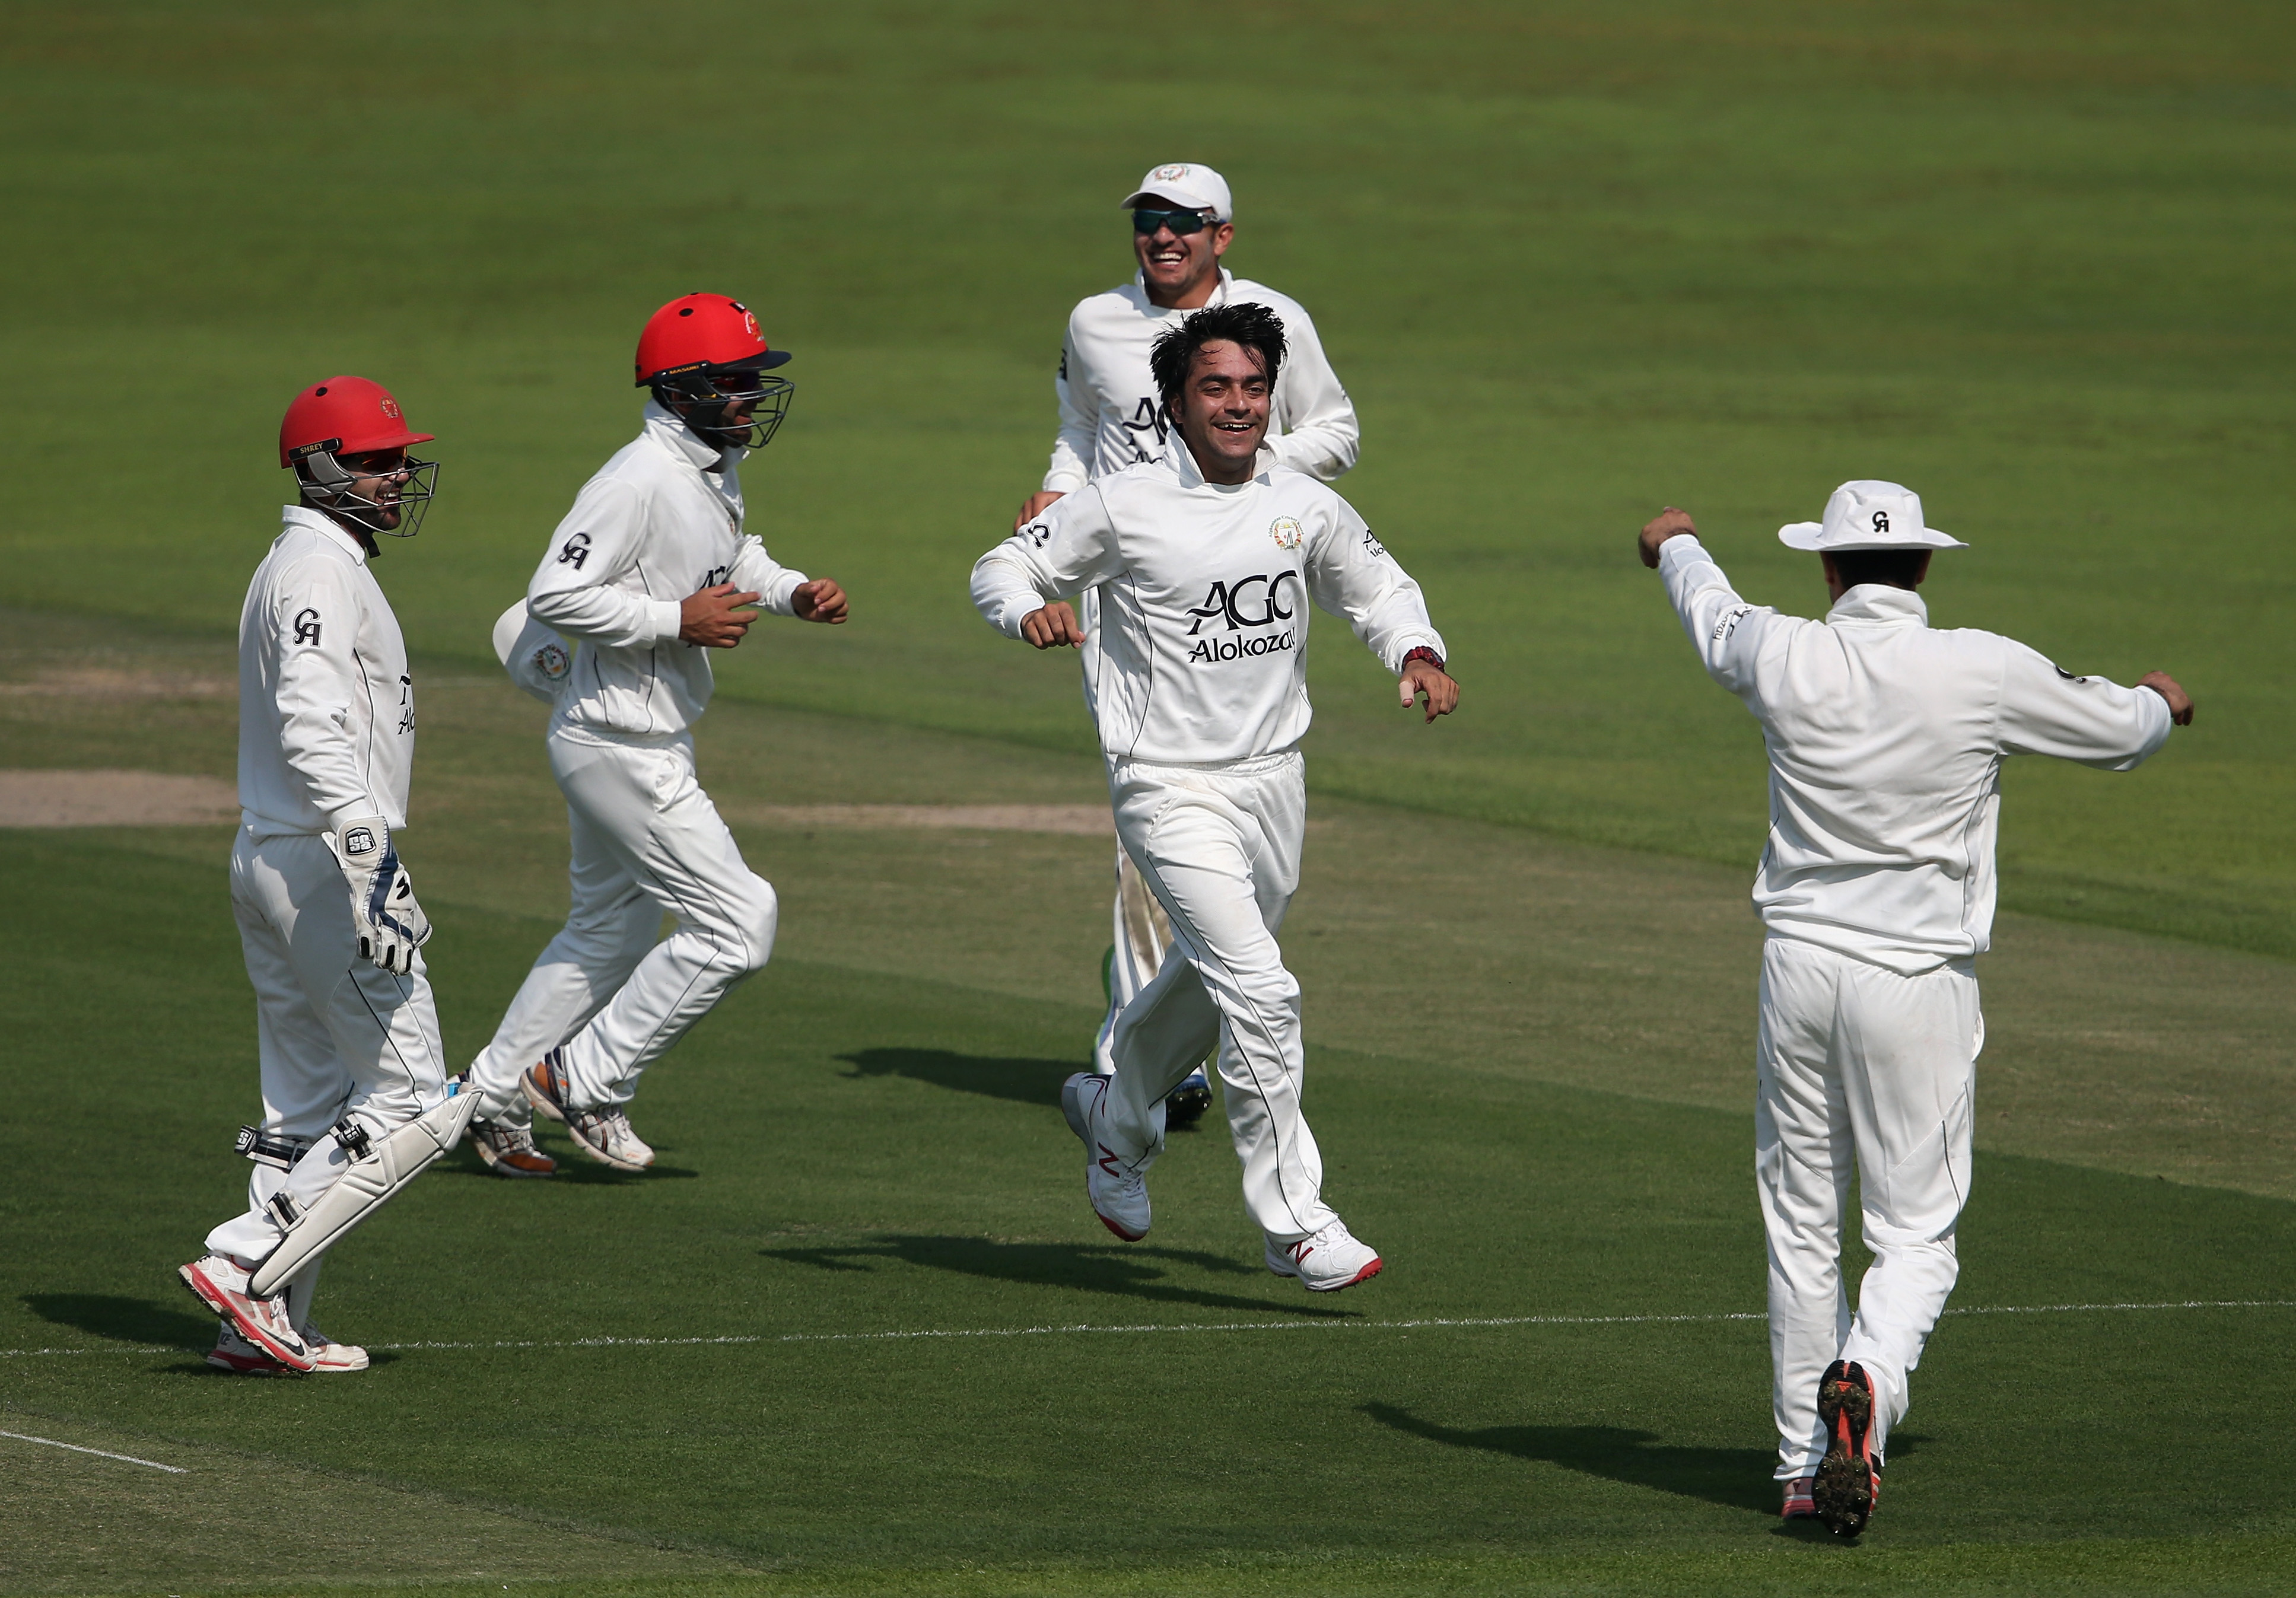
572 1167
1023 1081
1126 1271
124 1320
1733 1477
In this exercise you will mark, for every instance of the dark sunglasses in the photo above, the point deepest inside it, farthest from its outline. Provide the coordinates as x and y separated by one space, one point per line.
1182 222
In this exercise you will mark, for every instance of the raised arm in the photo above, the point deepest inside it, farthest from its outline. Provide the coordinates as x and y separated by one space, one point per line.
2049 711
1321 436
1019 585
1724 629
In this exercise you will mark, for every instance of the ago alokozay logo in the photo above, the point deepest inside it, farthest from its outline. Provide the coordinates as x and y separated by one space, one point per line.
1245 605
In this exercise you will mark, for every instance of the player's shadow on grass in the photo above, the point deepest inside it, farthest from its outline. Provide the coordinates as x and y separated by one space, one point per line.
1733 1477
124 1320
1024 1081
1126 1271
572 1167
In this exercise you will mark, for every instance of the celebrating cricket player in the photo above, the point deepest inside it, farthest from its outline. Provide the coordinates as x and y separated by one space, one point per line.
649 571
346 1033
1207 561
1885 738
1112 416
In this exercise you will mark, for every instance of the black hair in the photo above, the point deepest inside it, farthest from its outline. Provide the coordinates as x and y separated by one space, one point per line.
1253 326
1899 567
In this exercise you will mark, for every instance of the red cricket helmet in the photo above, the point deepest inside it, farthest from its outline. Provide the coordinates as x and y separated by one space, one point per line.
351 416
702 333
344 415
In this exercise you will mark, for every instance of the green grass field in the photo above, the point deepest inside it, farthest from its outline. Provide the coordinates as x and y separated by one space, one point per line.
859 1332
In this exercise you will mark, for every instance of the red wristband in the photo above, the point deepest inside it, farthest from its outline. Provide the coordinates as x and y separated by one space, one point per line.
1424 653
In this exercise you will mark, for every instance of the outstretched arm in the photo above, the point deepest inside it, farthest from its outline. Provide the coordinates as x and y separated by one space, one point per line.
1726 632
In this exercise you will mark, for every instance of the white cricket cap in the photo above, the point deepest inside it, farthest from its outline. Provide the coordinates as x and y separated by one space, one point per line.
537 659
1187 185
1867 514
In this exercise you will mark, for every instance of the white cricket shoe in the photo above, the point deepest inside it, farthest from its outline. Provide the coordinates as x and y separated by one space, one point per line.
509 1149
1117 1192
220 1283
1325 1262
235 1354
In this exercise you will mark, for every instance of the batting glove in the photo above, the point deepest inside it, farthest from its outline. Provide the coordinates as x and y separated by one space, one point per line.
390 925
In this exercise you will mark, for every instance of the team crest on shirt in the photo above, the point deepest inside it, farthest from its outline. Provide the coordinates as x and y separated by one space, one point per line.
1285 531
551 660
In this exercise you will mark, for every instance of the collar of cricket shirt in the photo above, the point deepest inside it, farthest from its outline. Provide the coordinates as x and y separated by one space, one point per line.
1880 602
326 527
1182 461
668 430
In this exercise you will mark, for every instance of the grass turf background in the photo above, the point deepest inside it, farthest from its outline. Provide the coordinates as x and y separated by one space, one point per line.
1572 263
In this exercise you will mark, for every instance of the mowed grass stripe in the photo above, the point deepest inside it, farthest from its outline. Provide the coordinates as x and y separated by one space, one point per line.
1431 1323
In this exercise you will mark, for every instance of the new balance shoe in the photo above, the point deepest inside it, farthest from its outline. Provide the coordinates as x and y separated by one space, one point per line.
603 1132
1118 1193
1845 1488
235 1354
1325 1262
1799 1504
1188 1103
510 1150
220 1283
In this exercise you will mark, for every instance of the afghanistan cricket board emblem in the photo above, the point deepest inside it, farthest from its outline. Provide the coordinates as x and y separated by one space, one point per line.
551 660
1172 173
1285 531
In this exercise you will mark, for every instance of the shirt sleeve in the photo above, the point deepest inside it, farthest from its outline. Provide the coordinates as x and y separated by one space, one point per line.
2049 711
1724 630
1351 575
1073 448
1320 435
1070 548
577 588
754 571
316 615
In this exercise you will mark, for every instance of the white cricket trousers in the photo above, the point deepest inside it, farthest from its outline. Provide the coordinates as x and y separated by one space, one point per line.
1219 847
1141 934
646 842
335 1036
1860 1070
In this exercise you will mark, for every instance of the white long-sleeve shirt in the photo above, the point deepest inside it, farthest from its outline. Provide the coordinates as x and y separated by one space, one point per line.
1111 416
661 520
1885 738
1203 619
326 702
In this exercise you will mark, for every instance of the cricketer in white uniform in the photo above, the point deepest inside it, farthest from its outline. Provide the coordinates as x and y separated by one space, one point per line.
1112 417
1207 561
1886 738
347 1035
651 568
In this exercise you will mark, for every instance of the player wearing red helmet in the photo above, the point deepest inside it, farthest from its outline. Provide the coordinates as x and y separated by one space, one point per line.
348 1036
664 518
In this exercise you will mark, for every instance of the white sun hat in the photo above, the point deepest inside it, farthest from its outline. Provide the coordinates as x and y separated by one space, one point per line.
1867 514
537 659
1185 184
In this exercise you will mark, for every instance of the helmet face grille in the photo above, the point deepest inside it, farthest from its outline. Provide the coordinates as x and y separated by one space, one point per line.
703 398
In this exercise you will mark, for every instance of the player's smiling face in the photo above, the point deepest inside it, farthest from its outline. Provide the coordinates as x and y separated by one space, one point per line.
1180 268
377 476
1222 413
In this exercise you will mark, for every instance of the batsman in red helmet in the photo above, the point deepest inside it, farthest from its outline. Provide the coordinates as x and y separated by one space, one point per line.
348 1037
650 570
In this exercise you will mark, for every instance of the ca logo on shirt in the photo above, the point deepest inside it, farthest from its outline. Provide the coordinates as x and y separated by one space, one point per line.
575 551
306 625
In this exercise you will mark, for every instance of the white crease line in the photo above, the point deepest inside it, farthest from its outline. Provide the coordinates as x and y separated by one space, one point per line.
1333 1324
100 1453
